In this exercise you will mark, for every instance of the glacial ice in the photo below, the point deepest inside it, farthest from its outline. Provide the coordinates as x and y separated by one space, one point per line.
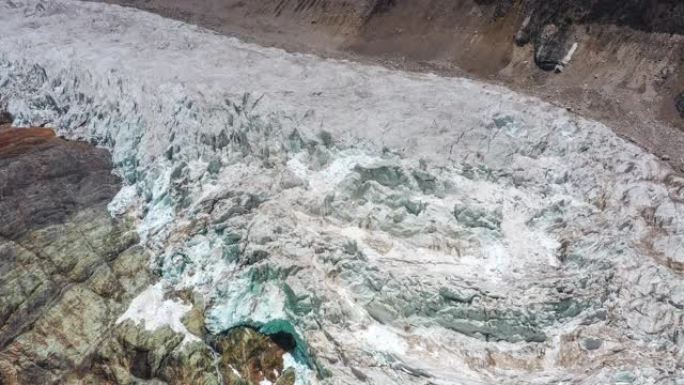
407 228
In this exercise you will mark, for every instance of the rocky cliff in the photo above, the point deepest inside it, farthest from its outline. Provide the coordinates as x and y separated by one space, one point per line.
67 269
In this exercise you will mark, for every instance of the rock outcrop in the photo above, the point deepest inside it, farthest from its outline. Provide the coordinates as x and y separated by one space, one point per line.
66 268
132 354
679 103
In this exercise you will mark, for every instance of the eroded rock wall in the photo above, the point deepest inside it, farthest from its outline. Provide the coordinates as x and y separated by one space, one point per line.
66 268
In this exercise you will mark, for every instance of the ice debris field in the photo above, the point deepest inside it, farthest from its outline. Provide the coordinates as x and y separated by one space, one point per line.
404 228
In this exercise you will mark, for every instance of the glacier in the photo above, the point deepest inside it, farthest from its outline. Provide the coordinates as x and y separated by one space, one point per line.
402 227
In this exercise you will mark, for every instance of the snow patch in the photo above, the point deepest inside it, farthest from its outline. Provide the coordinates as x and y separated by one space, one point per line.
154 311
303 375
380 338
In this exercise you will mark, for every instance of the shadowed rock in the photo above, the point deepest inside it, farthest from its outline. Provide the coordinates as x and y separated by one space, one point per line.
679 104
47 179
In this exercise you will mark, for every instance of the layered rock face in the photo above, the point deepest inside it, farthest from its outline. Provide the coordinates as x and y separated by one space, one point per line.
67 269
317 221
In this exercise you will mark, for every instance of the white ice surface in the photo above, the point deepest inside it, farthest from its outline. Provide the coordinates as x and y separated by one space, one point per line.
154 311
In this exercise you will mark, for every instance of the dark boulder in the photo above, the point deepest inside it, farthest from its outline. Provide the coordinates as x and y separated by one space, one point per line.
551 47
5 117
679 104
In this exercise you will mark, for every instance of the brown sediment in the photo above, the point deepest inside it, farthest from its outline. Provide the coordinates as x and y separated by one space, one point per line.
14 141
